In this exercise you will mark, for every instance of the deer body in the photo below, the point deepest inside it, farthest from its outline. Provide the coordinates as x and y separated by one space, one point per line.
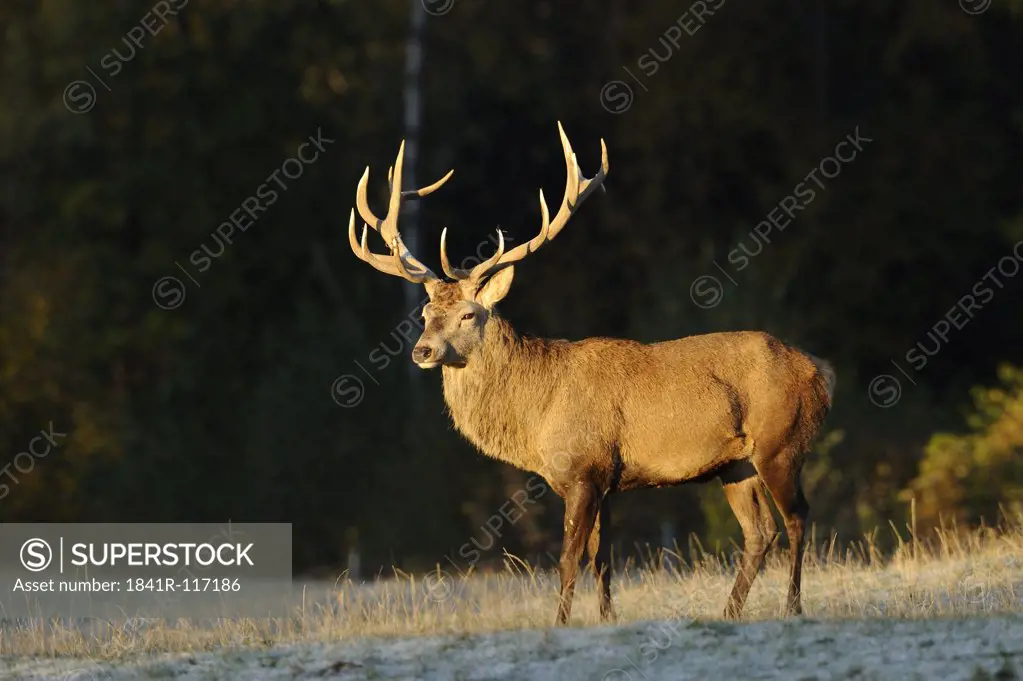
641 415
600 416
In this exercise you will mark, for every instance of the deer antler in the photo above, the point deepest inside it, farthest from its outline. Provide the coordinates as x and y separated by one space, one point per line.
577 189
400 262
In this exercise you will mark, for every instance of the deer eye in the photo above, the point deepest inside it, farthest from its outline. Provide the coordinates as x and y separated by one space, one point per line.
467 316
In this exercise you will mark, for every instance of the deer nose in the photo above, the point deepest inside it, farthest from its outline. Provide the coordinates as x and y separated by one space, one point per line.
421 353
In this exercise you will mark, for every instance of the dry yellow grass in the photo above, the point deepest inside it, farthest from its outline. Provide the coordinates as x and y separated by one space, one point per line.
953 574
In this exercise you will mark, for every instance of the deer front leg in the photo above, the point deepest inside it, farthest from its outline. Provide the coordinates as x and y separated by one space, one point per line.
599 550
581 504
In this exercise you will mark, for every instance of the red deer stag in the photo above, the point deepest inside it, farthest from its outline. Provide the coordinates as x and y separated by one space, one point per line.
603 415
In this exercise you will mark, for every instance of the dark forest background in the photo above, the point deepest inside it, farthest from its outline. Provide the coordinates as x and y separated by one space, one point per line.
226 406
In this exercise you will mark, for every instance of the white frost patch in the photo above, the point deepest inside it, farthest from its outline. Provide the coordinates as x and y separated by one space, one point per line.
877 649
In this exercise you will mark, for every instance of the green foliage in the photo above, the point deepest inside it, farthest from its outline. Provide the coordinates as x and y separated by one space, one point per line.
974 476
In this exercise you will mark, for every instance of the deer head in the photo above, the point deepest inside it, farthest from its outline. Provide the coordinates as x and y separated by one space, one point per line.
458 312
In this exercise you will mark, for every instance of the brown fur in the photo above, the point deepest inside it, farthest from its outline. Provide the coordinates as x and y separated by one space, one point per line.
601 415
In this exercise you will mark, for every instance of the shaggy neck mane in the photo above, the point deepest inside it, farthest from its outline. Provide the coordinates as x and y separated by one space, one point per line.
506 384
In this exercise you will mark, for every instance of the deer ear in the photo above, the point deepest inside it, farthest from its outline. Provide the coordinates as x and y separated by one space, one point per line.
495 288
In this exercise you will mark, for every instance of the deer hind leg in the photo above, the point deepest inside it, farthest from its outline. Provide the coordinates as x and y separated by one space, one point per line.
749 501
781 474
599 550
582 503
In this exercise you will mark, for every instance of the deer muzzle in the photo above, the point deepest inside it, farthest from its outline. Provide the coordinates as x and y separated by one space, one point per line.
426 356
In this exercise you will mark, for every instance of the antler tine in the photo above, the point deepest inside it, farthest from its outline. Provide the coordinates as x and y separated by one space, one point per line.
394 263
363 205
477 272
522 250
423 191
453 272
577 189
585 188
488 264
389 230
362 252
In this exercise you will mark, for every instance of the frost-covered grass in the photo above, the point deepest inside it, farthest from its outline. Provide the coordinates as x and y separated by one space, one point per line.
951 608
981 649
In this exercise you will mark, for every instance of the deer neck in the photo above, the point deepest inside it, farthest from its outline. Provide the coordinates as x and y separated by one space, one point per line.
504 386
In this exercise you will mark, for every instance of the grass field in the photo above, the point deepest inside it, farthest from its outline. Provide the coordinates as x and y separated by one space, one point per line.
950 608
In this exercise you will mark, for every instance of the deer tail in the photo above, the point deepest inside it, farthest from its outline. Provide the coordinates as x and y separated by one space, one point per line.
827 373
